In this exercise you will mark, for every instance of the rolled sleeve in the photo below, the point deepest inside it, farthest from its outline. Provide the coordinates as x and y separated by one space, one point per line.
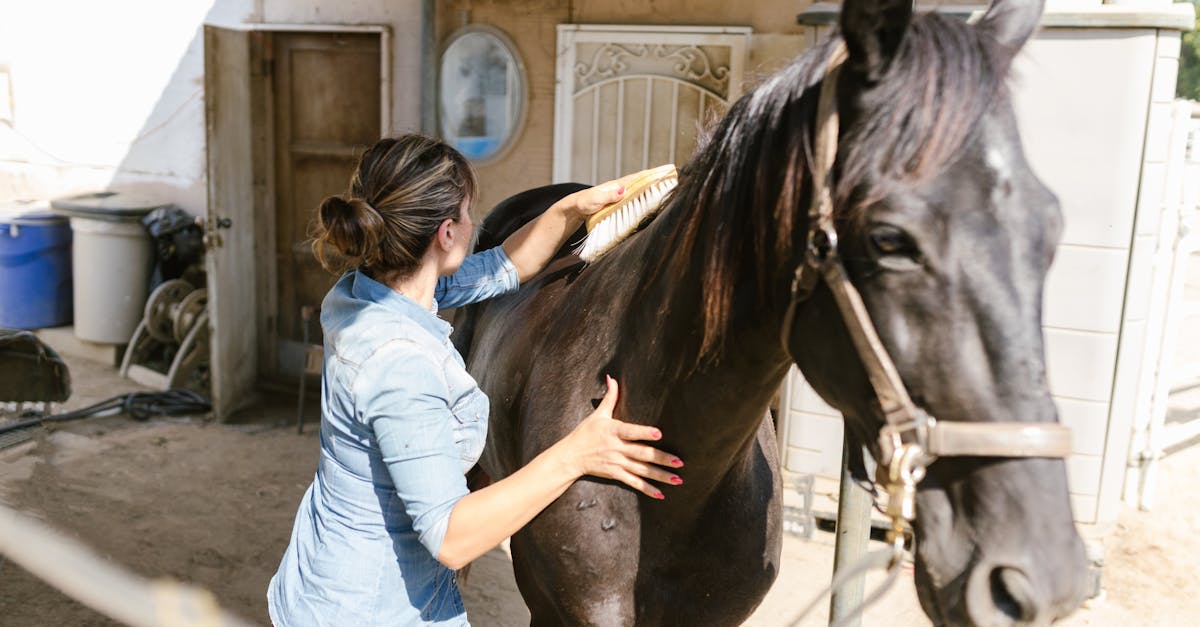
481 276
407 409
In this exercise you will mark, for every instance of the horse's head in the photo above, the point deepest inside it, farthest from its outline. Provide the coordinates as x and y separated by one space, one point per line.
947 235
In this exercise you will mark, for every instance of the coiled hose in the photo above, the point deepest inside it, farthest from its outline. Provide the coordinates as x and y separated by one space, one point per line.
139 406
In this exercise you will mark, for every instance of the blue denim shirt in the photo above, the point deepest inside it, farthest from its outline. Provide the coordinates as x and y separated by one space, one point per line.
401 422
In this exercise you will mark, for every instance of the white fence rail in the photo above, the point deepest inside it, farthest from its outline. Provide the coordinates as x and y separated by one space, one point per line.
1174 373
1182 373
80 573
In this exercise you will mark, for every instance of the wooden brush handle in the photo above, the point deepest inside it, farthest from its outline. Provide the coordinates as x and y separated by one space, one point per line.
635 184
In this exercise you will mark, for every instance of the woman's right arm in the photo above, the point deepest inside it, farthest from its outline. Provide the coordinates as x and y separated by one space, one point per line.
599 446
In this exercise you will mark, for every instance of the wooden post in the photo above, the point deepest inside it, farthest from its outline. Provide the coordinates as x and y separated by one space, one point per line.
430 62
853 533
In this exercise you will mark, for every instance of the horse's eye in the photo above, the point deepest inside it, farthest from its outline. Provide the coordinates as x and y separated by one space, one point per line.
889 241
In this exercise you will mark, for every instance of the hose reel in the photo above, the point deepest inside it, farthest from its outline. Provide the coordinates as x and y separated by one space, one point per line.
169 349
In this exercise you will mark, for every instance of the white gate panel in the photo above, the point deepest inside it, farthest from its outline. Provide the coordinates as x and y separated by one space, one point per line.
633 97
1177 400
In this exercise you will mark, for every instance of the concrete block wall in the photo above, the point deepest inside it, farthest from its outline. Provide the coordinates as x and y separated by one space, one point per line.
1086 132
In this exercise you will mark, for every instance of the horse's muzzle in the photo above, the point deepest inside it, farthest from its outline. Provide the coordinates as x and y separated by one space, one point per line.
1000 594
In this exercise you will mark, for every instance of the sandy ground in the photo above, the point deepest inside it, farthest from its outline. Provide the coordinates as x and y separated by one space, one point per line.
213 505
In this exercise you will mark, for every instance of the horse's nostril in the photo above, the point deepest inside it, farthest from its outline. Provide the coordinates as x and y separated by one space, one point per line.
1001 595
1012 594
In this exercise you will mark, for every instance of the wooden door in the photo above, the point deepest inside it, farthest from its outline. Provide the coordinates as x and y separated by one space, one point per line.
631 98
230 233
327 111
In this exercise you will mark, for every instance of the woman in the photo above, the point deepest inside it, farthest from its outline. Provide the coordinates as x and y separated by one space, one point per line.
388 519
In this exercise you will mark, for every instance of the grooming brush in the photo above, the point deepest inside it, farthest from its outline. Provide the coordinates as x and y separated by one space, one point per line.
644 192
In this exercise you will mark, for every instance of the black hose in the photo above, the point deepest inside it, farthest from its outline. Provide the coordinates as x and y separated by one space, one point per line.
139 406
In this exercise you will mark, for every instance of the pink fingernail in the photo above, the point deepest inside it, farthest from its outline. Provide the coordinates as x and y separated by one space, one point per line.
656 434
659 496
676 480
676 462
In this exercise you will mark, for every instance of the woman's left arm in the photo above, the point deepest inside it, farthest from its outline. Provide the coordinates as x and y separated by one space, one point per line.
532 246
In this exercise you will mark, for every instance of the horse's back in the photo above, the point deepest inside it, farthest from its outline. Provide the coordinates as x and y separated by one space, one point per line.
515 211
503 220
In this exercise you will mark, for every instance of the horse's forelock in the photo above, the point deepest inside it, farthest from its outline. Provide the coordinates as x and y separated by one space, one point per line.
945 77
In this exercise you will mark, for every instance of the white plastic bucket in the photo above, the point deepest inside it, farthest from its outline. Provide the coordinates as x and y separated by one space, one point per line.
111 264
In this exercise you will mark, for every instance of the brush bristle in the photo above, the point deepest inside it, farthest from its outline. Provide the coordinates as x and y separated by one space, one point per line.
611 225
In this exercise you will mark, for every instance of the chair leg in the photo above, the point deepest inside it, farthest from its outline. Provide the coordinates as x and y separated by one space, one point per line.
306 313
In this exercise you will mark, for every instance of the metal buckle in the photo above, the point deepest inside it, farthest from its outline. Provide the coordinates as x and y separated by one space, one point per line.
891 435
819 250
905 471
822 245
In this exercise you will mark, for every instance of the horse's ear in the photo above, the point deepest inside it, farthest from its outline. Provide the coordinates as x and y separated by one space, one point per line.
873 30
1011 22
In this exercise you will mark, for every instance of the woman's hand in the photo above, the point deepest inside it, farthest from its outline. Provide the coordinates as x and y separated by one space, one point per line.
605 447
585 202
532 246
599 446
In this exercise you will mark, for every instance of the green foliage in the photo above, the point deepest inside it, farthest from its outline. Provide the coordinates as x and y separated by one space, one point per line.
1188 83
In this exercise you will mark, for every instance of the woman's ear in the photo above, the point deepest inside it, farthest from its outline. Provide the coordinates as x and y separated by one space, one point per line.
445 235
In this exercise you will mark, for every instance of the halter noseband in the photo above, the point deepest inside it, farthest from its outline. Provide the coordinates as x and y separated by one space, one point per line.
910 439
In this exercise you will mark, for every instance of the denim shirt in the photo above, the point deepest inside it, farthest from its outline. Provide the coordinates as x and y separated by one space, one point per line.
401 422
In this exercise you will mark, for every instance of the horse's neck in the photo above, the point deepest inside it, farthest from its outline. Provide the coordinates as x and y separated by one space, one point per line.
716 407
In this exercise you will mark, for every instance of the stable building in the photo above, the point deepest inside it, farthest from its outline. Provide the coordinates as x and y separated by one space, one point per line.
248 112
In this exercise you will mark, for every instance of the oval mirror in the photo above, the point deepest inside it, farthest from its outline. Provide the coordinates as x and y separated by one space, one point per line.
481 95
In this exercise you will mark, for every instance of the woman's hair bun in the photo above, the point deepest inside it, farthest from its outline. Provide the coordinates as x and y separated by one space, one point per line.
351 226
402 190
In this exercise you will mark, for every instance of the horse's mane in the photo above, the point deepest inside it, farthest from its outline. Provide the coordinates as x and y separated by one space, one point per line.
744 194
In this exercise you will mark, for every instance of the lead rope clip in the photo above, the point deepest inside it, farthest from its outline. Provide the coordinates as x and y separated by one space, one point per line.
904 472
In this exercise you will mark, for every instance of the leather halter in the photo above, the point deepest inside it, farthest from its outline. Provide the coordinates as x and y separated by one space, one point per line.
910 439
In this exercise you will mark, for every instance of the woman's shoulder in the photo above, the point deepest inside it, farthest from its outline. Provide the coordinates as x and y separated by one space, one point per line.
388 340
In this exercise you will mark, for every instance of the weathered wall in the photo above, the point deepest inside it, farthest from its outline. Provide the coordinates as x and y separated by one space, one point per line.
402 17
763 17
111 95
531 26
99 99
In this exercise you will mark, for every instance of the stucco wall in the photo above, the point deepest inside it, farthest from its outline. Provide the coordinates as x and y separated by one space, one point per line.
101 100
763 17
531 26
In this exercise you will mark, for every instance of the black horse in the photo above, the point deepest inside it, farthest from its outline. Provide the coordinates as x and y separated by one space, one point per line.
945 232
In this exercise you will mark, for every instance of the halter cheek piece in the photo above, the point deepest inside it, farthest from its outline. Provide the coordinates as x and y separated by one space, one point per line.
910 439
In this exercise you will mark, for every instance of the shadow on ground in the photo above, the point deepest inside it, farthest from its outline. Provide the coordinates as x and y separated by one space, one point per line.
213 504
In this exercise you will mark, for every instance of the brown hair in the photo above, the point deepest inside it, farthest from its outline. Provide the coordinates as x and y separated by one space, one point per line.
402 190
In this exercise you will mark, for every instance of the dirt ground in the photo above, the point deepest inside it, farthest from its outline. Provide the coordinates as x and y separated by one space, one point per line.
212 505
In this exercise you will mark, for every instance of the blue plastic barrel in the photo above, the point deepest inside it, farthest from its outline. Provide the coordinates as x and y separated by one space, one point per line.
35 267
